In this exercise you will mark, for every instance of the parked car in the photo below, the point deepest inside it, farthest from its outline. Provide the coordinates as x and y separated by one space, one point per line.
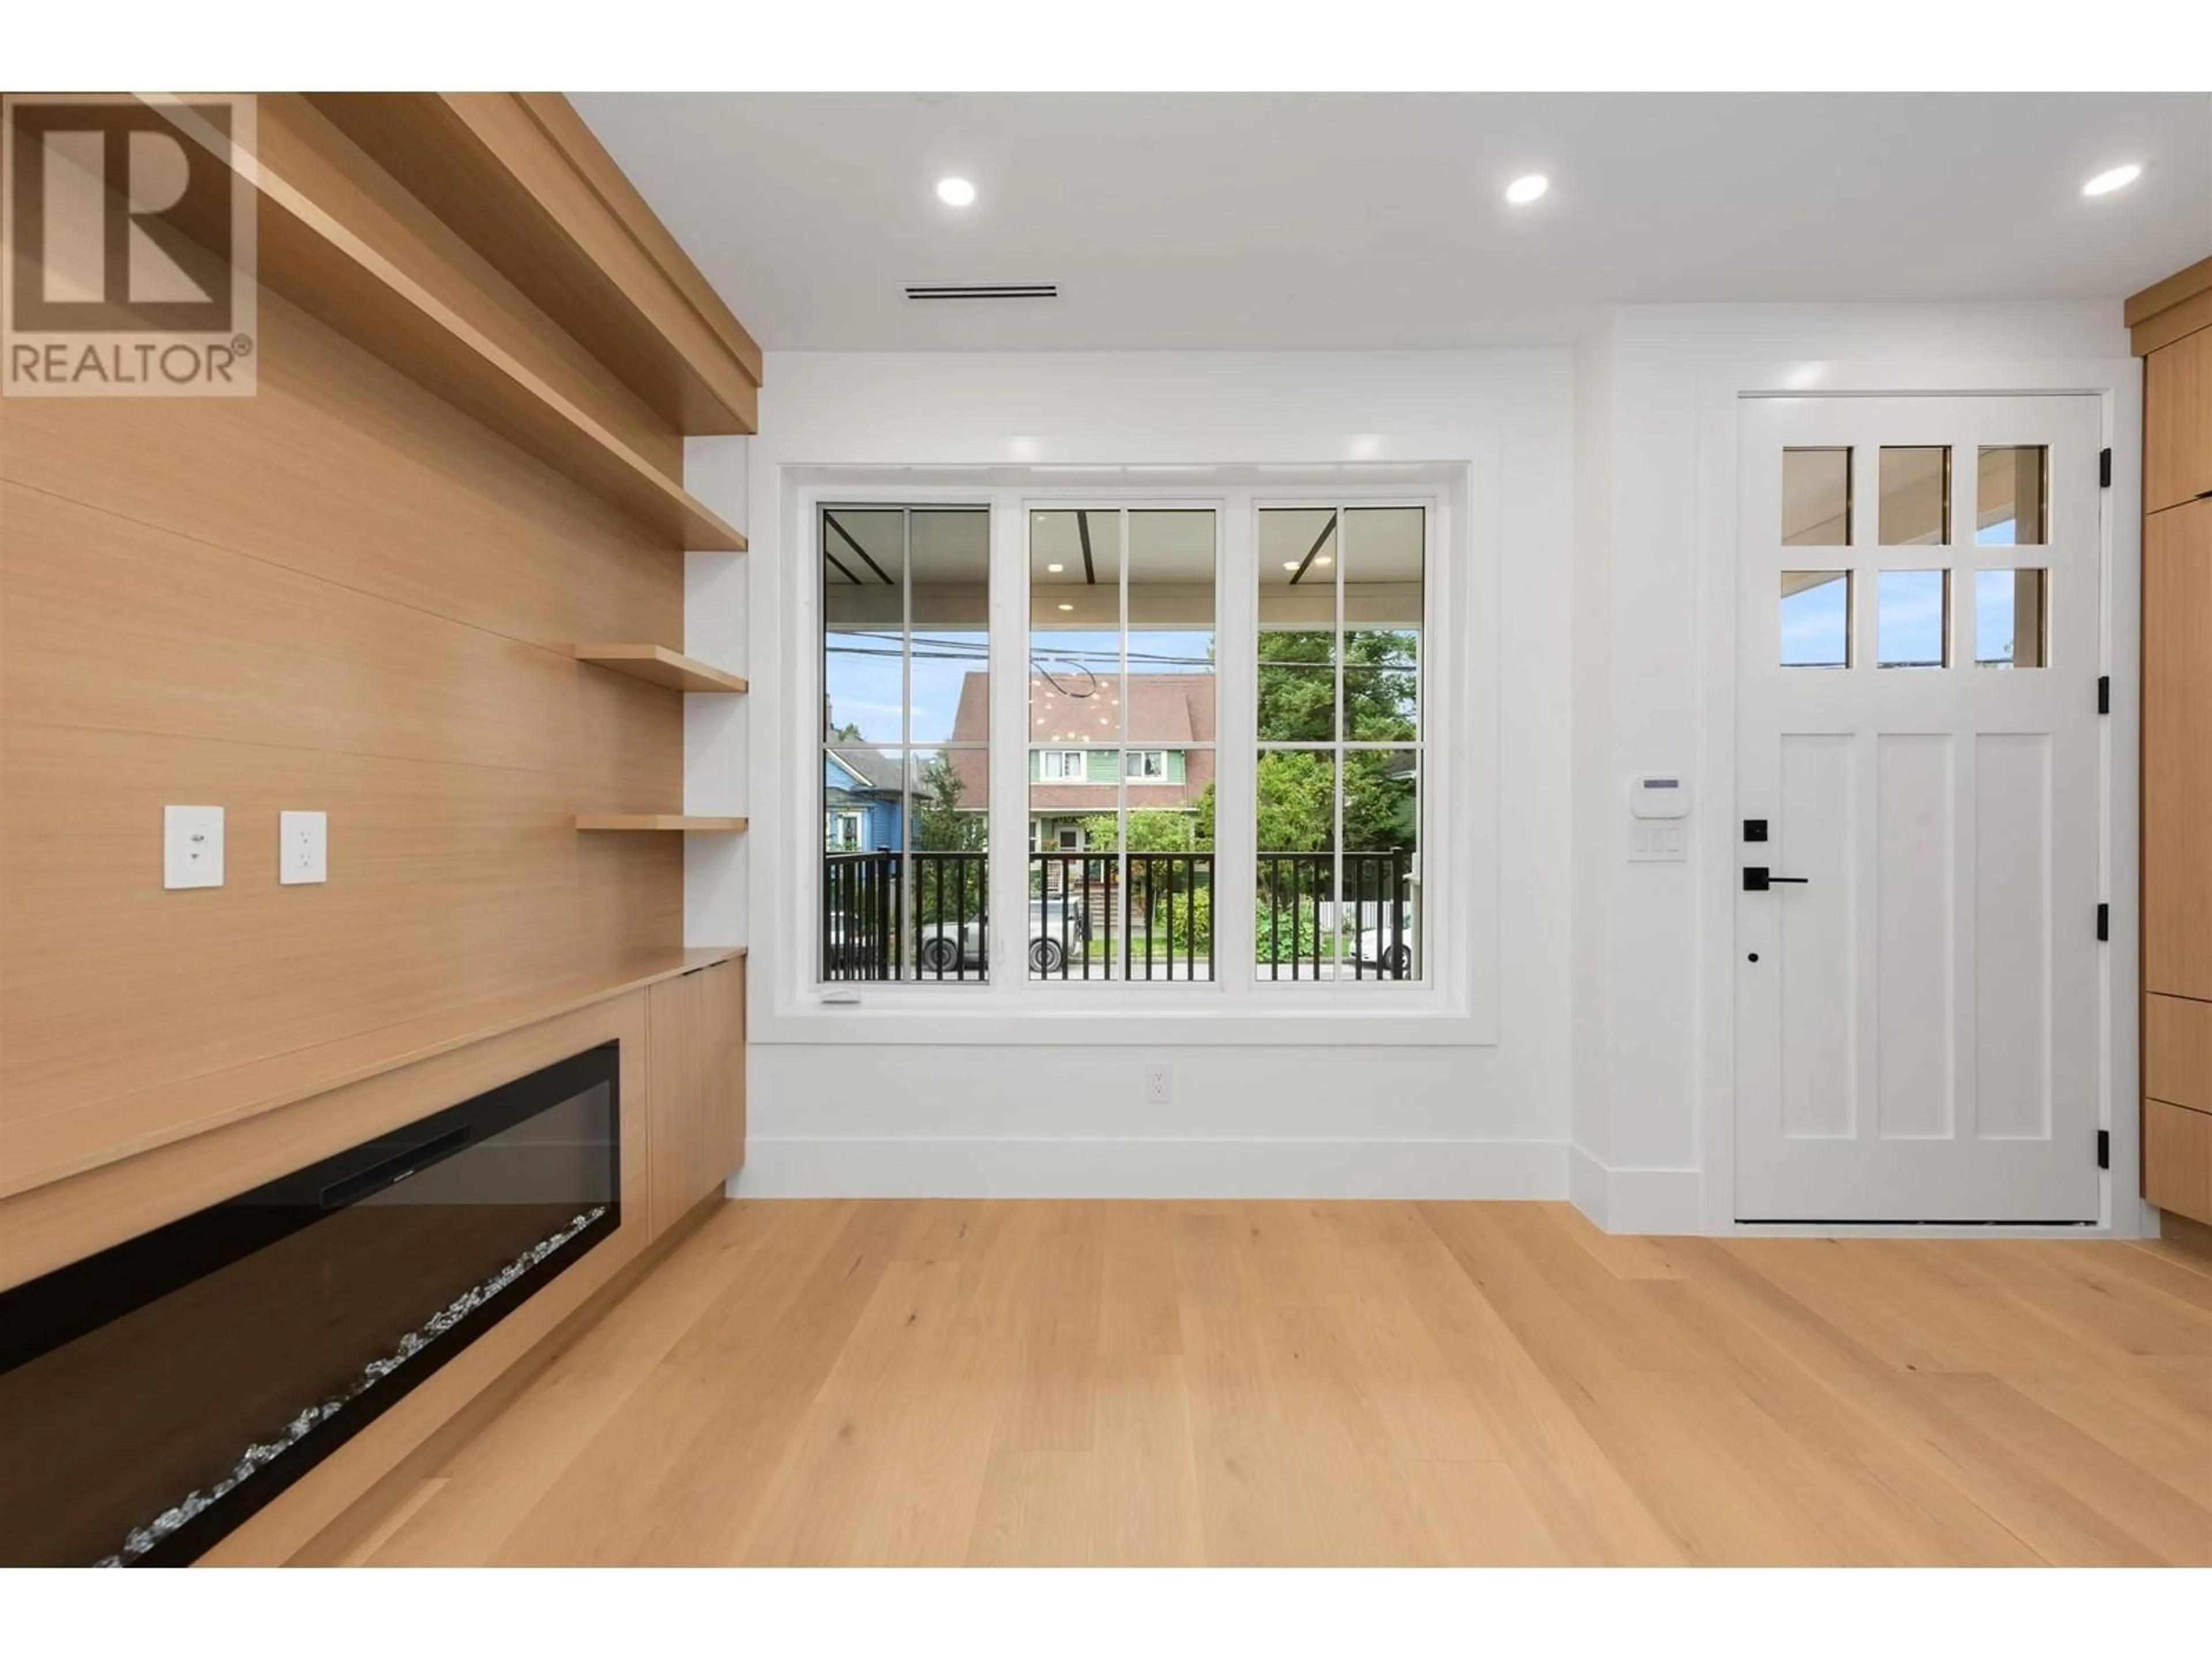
1387 950
1058 923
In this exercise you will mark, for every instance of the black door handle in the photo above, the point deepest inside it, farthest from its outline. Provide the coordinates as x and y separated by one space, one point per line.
1757 878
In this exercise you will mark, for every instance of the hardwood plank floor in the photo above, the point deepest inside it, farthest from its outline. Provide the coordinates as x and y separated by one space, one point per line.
1305 1383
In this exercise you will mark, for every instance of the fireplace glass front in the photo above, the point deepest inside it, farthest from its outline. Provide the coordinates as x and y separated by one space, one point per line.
154 1395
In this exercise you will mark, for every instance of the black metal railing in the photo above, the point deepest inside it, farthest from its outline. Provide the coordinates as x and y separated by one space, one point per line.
867 934
1302 933
1078 926
1077 931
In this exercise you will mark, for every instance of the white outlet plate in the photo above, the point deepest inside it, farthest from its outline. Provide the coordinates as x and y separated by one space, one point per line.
192 847
1159 1084
303 847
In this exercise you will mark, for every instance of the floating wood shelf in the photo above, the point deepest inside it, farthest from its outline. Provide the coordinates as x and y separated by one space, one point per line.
311 257
520 179
662 667
677 821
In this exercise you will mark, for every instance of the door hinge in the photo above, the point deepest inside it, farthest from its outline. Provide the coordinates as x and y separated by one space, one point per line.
2104 694
2104 923
2105 469
2104 1149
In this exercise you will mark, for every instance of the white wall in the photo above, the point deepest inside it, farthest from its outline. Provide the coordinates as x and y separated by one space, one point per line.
836 1106
1606 513
716 729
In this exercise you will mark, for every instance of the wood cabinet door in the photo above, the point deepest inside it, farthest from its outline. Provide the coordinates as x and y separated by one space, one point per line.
2178 421
675 1135
723 1082
2177 605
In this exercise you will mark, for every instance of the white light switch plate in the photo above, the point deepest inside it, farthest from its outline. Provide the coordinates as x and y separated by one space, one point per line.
1659 843
303 847
192 847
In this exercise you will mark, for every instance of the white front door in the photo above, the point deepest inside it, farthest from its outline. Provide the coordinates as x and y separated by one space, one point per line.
1917 782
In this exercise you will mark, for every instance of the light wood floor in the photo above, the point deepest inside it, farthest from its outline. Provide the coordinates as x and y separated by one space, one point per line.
1323 1382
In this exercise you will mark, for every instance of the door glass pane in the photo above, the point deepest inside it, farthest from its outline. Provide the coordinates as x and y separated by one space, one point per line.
1299 548
2012 618
2011 498
1816 498
1916 496
864 625
1912 619
950 688
1377 930
1816 619
1295 913
1383 608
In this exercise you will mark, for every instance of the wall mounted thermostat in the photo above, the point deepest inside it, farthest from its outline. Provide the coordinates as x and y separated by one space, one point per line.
1659 795
1656 803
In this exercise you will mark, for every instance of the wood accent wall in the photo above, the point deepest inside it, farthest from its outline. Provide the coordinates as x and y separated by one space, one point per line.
342 593
339 595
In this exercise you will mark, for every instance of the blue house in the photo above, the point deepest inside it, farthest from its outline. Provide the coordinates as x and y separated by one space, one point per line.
861 806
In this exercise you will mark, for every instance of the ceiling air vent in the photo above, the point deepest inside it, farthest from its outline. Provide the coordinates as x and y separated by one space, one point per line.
982 291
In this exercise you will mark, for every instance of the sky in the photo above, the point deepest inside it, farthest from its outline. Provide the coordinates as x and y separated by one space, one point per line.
1908 616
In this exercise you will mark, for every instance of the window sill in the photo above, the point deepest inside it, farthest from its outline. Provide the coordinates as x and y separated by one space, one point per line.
1422 1016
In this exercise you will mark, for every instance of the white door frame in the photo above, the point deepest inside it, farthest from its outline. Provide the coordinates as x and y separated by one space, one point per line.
2117 383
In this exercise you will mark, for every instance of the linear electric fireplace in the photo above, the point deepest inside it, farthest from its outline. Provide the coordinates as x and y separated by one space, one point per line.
154 1395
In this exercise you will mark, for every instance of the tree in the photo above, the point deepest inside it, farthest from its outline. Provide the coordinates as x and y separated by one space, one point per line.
1151 830
939 825
1298 704
1298 686
1297 814
1379 801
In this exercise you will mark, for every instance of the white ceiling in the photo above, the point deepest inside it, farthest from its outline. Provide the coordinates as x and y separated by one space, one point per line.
1315 221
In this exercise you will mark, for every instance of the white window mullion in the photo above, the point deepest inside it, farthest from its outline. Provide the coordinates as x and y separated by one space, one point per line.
1119 955
1010 749
1235 796
1343 733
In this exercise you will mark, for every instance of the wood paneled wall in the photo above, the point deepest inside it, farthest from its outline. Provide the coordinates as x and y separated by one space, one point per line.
338 594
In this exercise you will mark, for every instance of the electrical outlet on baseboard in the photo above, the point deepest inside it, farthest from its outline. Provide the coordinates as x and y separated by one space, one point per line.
1159 1084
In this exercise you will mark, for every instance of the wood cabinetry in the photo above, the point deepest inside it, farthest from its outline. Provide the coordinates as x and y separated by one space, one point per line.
2177 752
2172 327
696 1065
2178 422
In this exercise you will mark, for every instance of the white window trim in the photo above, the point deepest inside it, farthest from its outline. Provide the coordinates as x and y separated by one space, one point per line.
1455 1003
1052 766
1140 755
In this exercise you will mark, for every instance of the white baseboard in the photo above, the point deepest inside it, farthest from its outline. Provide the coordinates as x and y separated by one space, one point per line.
1634 1200
1058 1168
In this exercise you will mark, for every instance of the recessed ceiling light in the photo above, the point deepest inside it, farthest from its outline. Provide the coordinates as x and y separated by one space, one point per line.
1055 568
1526 189
1321 558
955 192
1289 564
1068 607
2113 179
